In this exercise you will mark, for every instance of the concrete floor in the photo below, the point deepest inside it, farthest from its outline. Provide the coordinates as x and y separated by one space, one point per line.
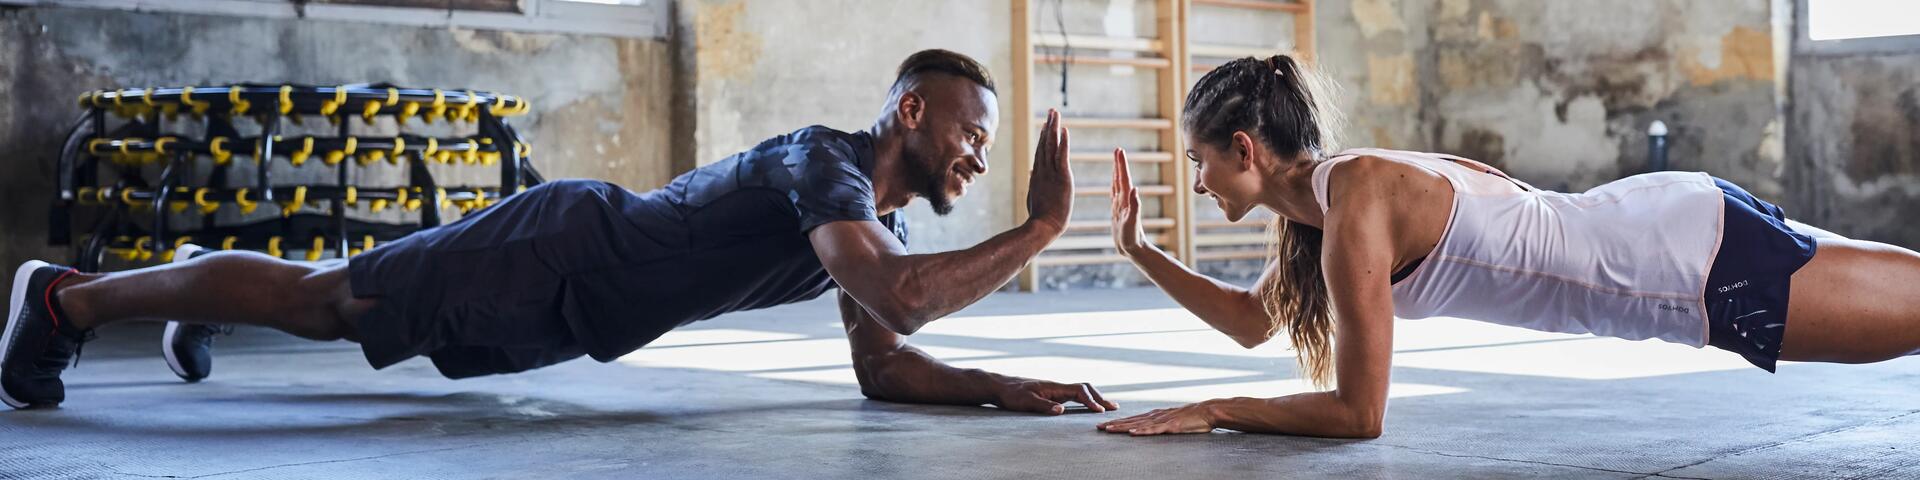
769 395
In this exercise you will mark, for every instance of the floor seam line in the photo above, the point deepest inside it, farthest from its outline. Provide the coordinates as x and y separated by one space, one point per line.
1515 460
341 460
1798 439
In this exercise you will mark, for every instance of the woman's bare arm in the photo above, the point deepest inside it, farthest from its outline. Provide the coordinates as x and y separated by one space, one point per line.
1232 310
1360 254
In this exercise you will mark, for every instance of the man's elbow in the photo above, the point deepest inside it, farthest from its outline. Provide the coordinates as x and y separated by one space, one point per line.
903 321
902 313
874 375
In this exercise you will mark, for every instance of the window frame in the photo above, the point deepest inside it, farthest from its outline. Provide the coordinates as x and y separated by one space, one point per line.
651 20
1803 44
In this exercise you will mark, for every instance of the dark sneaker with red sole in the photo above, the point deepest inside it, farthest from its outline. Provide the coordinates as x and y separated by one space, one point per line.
35 346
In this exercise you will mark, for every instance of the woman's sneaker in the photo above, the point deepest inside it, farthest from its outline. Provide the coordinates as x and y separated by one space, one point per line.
36 345
189 346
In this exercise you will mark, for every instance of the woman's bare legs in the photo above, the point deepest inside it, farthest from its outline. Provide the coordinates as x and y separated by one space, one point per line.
1855 302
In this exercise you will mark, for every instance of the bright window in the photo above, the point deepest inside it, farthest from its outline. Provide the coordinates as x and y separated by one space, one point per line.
1842 19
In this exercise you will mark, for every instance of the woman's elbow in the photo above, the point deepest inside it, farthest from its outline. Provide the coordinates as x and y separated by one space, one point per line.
1251 341
1368 430
1367 422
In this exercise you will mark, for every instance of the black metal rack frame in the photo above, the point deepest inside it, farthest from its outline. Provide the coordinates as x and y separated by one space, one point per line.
92 148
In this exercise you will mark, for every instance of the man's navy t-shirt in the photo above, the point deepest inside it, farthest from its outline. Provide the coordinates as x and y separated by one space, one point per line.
725 237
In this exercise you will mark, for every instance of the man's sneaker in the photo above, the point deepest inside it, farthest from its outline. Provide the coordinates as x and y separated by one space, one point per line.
36 345
189 346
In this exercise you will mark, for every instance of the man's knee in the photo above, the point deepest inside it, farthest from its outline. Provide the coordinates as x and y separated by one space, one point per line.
319 298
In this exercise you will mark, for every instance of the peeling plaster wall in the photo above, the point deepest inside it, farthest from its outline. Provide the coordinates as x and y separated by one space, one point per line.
1561 93
601 104
761 68
1854 137
1558 92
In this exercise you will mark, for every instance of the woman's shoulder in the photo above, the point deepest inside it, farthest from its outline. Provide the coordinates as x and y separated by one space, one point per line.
1375 166
1366 180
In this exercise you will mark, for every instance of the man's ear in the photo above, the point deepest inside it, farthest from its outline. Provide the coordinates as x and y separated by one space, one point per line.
911 110
1243 150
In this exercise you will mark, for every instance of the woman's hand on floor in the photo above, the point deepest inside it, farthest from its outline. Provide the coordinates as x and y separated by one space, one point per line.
1190 418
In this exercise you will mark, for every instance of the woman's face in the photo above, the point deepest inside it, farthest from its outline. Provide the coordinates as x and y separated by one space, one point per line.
1225 172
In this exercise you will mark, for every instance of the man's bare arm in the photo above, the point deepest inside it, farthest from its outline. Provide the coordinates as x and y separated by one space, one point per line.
905 291
891 370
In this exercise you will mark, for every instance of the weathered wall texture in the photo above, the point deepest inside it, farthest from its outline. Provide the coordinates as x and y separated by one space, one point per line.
601 104
761 68
1561 93
1854 138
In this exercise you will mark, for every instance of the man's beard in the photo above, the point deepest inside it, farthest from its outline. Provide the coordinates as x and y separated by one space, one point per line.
930 184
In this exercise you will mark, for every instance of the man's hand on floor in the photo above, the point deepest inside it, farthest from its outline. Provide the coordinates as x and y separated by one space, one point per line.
1040 396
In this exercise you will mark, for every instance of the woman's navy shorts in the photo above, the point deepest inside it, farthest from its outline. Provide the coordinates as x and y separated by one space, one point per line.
1748 286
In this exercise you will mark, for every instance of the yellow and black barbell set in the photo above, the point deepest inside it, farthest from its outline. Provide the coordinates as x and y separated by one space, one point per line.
298 151
122 134
368 101
207 200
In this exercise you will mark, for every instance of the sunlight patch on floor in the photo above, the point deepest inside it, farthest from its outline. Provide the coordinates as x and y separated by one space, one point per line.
1261 389
777 355
715 336
1044 325
1101 373
1592 358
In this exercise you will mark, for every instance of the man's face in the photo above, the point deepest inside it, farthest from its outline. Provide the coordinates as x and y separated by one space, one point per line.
946 150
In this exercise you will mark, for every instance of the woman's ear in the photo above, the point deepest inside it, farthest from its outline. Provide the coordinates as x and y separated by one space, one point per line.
1243 149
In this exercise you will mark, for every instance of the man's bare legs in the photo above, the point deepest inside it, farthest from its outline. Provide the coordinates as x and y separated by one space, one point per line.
308 300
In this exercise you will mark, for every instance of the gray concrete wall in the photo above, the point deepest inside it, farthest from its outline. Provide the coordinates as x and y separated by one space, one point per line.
601 104
761 68
1558 92
1561 93
1854 137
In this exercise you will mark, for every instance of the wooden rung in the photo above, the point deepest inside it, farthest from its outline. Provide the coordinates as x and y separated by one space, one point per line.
1090 42
1107 157
1083 259
1147 190
1204 67
1226 239
1142 62
1229 255
1255 5
1232 51
1081 242
1085 242
1102 225
1115 123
